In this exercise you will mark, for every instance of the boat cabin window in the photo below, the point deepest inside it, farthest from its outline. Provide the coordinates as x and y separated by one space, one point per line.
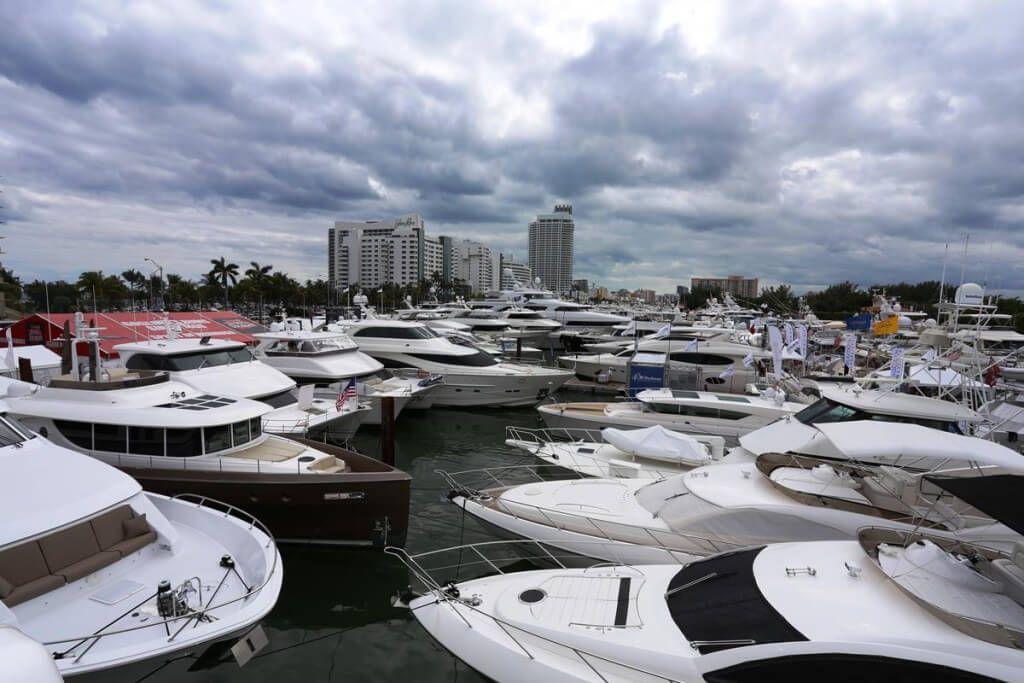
826 410
700 358
524 315
194 360
419 332
480 359
694 411
177 443
719 603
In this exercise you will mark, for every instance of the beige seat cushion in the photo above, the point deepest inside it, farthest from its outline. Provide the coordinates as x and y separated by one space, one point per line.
23 563
108 527
33 589
64 548
136 526
130 545
88 565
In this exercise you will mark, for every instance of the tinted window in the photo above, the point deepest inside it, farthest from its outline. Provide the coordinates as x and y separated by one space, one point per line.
110 438
701 358
144 361
146 440
255 427
825 411
240 432
78 433
217 438
184 443
240 355
194 361
476 360
278 400
840 668
396 332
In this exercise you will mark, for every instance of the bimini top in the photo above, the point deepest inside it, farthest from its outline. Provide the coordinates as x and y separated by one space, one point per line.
882 402
47 486
870 440
997 495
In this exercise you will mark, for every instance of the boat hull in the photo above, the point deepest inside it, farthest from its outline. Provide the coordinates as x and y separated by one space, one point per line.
359 508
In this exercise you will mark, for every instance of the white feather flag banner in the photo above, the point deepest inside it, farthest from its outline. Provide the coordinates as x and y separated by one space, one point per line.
801 336
728 372
788 331
897 363
691 345
748 360
775 338
850 354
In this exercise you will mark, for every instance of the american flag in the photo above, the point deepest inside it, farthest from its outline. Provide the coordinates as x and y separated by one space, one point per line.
349 392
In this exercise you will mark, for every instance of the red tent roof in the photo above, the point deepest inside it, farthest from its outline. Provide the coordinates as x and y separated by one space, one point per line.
119 327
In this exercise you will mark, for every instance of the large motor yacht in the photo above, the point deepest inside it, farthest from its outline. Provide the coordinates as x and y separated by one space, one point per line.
854 475
328 360
176 439
226 368
104 574
888 606
694 412
472 377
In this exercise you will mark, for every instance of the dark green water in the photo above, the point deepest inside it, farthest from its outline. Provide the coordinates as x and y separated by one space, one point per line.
334 620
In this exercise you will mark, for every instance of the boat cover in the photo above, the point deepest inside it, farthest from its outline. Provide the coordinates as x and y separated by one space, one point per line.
658 443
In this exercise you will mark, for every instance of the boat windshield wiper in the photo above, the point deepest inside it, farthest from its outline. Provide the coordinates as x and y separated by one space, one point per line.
689 584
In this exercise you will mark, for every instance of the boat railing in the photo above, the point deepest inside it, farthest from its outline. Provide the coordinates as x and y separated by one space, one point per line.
551 435
225 463
598 668
173 626
474 482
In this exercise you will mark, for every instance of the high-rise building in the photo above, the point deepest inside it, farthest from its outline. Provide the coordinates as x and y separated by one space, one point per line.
513 272
551 248
374 253
474 264
737 285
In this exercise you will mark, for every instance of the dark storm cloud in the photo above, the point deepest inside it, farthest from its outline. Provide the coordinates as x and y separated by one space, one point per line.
801 145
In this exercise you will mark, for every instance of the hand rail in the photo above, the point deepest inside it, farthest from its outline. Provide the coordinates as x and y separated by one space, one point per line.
449 598
200 614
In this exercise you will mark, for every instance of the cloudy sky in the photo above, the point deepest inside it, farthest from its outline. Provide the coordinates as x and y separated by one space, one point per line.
804 143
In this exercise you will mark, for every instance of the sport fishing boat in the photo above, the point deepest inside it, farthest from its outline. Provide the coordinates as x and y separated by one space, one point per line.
226 368
472 377
853 475
329 360
887 606
104 574
175 439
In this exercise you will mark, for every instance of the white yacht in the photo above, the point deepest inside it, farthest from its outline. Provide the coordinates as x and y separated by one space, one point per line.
700 367
692 412
522 323
652 452
472 378
574 316
226 368
104 574
854 475
884 607
175 439
329 360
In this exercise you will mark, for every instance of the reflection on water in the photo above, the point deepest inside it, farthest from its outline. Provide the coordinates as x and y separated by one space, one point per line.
334 620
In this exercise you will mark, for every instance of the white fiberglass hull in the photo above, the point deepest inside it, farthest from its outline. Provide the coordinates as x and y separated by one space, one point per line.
581 544
565 416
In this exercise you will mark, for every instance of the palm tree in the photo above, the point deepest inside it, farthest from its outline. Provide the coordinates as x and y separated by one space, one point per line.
257 275
91 283
226 273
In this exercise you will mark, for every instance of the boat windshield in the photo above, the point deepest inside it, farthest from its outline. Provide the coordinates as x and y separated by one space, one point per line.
309 346
826 410
716 605
193 360
11 435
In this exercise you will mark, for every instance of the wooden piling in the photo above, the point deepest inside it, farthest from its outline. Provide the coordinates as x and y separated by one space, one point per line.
387 430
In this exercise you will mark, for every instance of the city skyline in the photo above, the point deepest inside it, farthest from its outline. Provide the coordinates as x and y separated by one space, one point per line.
687 144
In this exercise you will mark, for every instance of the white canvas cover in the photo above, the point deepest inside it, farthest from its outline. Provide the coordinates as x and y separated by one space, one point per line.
939 377
658 443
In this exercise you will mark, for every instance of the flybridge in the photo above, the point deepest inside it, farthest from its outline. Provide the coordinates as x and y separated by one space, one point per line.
122 327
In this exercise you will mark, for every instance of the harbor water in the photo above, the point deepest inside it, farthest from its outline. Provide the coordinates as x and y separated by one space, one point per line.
334 620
